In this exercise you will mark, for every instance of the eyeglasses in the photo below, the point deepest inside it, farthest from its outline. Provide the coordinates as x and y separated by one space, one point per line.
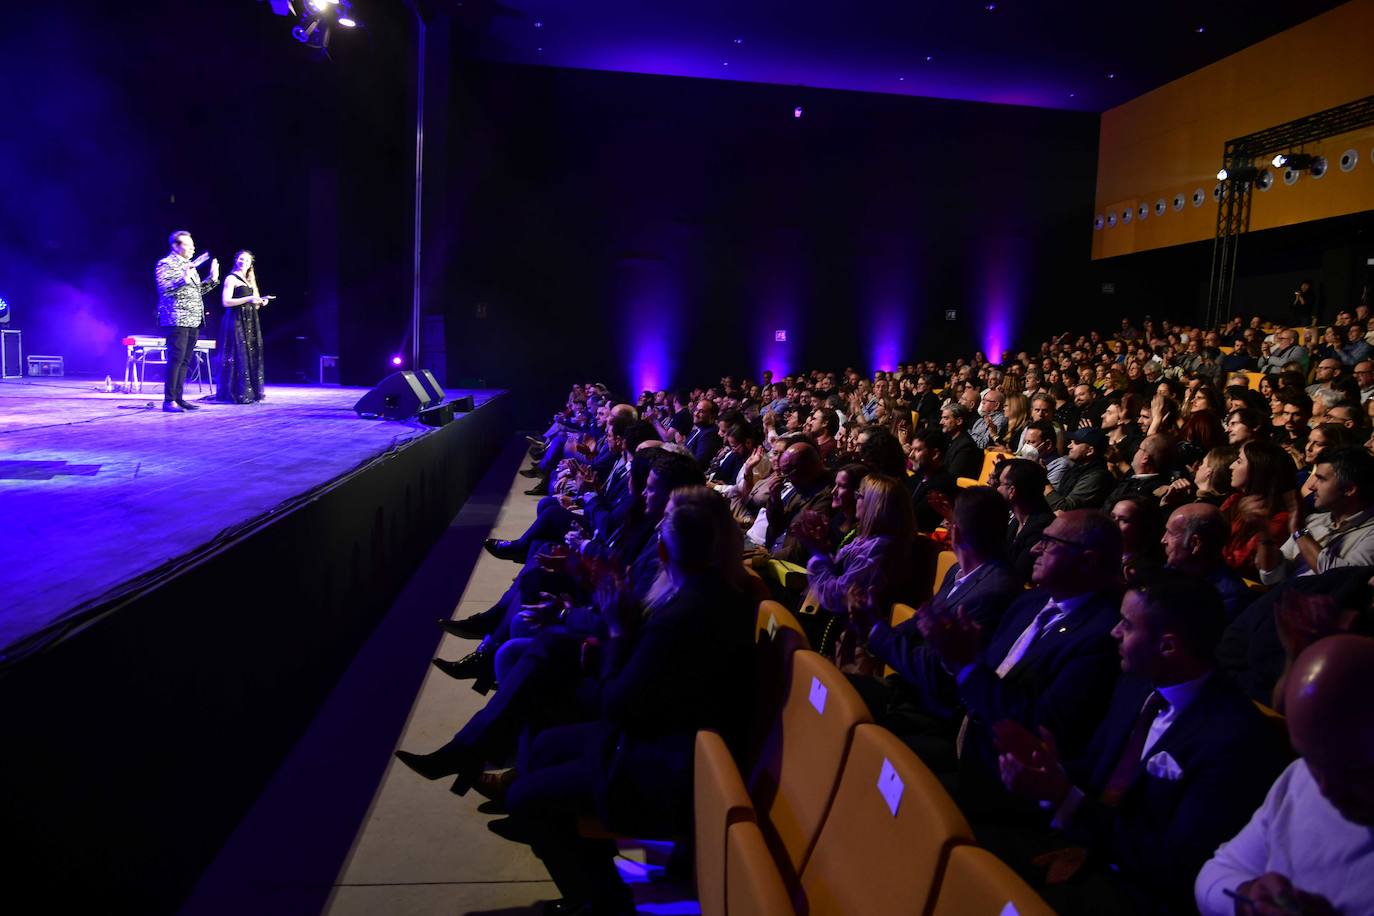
1051 539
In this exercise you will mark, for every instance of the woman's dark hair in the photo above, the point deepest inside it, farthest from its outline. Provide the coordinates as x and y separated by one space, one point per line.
1203 428
881 451
252 275
1272 473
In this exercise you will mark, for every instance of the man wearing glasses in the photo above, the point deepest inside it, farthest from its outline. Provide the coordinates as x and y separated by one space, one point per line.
1051 662
992 423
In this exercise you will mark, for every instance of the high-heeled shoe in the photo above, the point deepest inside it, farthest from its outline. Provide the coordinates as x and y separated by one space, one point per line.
502 550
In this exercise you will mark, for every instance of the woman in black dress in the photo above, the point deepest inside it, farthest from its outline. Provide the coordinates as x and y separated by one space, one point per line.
240 336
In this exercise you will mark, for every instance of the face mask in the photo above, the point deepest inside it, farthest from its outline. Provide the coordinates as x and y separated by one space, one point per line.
1028 451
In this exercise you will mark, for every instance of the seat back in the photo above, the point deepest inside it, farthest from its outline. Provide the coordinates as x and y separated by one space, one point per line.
887 836
719 800
1254 379
989 462
798 766
1279 723
773 617
777 636
976 881
901 613
753 885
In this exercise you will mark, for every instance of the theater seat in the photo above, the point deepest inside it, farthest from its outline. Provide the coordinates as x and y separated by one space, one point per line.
901 613
753 885
772 617
798 766
989 462
885 841
1254 379
1279 723
976 881
719 800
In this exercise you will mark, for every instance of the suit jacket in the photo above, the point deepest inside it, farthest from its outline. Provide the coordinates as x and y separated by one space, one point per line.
1063 681
1021 540
963 457
984 597
703 442
684 671
1085 486
942 481
1196 787
785 546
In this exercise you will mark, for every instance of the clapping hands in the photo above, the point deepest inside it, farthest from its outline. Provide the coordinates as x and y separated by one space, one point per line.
956 638
1030 766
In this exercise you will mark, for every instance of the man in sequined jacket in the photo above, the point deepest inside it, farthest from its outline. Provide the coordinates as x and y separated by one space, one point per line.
181 311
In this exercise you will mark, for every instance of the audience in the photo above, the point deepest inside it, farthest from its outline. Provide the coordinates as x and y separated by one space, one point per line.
1104 745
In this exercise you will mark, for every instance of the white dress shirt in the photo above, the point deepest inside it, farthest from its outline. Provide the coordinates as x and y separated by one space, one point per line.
1298 834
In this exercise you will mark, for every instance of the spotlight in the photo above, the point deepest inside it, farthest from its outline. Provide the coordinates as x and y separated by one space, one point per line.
1238 173
797 112
396 361
1298 162
4 312
348 22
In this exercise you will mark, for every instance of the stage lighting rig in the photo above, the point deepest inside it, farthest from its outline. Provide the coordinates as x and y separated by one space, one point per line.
1238 173
316 20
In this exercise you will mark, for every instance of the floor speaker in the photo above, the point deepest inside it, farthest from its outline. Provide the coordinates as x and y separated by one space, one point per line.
463 404
430 384
399 396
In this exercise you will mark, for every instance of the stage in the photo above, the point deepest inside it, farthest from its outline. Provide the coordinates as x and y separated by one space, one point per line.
178 593
102 493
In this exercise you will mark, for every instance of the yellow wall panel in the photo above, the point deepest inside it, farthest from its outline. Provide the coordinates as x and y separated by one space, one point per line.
1170 141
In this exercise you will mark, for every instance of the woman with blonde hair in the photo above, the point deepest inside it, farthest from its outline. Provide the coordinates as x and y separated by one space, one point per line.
1016 408
871 567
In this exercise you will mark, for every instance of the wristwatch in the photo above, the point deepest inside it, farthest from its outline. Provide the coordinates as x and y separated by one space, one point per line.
1298 535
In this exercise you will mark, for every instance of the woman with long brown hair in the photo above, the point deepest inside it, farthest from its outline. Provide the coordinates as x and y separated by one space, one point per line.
1265 482
241 379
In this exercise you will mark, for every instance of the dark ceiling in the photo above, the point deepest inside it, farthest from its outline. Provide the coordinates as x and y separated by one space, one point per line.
1087 56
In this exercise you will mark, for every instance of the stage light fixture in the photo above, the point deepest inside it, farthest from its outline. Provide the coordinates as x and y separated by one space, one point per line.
1238 173
1298 162
4 312
348 22
396 360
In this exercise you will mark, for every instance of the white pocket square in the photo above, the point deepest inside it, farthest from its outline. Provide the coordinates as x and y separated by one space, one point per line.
1163 766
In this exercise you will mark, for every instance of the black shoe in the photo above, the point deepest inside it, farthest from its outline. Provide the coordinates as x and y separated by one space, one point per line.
530 473
474 627
476 664
511 828
503 550
171 407
493 806
446 761
540 489
187 405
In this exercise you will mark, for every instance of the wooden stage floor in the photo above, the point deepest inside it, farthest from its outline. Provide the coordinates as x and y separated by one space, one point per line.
97 489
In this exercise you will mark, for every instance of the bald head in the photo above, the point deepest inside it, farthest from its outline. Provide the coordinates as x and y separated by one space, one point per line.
1194 538
628 411
801 463
1331 721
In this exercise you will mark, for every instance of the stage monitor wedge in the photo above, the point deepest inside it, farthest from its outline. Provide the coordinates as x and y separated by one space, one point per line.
399 396
431 384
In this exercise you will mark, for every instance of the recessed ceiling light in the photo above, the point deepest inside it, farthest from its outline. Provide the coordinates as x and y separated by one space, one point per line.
989 7
1200 29
901 79
739 41
1071 95
929 58
1111 76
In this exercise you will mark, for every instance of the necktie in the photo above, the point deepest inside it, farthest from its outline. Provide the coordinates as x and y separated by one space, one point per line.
1129 762
1048 614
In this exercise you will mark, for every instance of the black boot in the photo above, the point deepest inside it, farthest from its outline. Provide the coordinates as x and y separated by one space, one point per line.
477 664
450 760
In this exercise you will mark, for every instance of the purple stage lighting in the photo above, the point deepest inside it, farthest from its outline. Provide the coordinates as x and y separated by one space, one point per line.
1001 294
797 112
887 296
396 361
649 298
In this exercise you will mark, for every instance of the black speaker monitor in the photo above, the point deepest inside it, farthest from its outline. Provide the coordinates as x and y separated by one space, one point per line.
431 384
399 396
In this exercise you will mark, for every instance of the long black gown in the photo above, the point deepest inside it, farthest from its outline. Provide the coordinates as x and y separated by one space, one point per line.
240 349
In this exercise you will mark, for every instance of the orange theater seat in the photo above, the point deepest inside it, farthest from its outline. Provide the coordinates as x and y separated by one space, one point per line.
719 800
753 885
799 763
976 881
884 845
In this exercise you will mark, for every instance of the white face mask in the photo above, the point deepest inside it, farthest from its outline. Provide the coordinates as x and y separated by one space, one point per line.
1028 451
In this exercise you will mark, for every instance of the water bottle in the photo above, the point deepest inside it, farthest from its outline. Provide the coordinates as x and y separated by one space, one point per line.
109 385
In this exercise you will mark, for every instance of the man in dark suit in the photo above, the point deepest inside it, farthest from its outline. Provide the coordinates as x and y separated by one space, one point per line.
1022 483
1175 769
963 457
929 476
919 703
803 484
704 439
1051 661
